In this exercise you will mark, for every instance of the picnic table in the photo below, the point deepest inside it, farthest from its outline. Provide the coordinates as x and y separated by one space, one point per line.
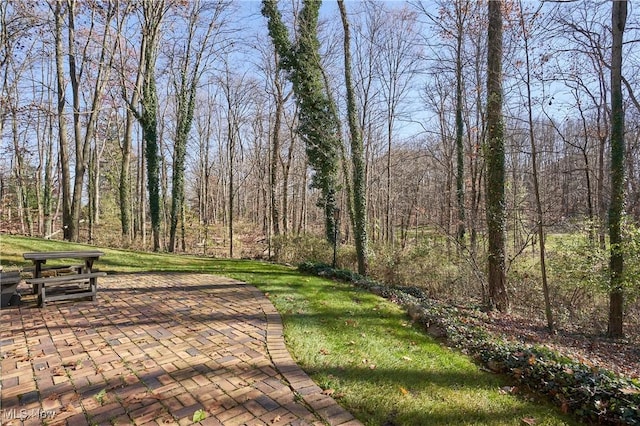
61 276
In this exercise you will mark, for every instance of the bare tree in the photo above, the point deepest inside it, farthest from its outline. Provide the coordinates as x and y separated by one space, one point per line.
586 33
132 97
63 143
397 43
193 57
18 44
451 22
236 90
84 138
526 28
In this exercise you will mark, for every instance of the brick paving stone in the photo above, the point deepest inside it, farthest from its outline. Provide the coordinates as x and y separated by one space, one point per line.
162 346
227 402
77 420
227 416
147 413
254 408
276 416
51 403
255 422
105 413
187 411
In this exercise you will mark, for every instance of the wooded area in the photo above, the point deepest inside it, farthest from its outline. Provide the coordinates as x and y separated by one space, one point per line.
488 152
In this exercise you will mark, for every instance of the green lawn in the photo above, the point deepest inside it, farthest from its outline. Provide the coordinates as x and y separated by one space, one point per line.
359 347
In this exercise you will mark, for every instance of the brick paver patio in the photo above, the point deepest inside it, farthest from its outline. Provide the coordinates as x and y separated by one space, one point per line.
156 349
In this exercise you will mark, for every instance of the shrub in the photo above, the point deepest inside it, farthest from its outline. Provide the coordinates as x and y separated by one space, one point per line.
298 248
578 269
427 266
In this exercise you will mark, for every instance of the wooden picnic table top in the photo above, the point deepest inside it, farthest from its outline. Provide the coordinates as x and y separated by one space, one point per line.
77 254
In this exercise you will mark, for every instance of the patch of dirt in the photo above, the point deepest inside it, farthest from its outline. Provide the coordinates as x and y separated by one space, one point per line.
621 356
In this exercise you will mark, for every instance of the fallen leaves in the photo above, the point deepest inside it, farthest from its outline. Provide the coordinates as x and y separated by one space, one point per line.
69 408
351 323
59 371
620 357
166 420
369 364
507 390
630 391
141 396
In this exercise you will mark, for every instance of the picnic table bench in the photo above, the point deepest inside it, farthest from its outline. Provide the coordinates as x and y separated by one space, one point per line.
64 282
9 288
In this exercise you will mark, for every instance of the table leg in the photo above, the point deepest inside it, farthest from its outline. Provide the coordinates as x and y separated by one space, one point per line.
37 273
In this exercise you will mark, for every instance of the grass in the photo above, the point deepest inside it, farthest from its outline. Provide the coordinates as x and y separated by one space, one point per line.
361 348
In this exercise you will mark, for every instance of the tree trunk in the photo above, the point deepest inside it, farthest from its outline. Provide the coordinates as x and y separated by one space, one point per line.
495 163
460 234
63 148
148 117
47 193
616 206
124 187
286 168
275 151
231 157
128 229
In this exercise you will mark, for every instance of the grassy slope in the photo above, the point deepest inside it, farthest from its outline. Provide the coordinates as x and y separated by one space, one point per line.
359 346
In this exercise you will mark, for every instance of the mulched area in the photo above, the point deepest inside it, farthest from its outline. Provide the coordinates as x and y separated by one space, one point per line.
621 356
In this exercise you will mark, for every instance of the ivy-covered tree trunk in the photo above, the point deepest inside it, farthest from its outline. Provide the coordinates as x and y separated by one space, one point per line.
149 124
148 118
318 126
185 117
186 106
357 155
616 206
495 163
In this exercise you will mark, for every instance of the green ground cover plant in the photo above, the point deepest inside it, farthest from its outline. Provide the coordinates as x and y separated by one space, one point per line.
362 349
